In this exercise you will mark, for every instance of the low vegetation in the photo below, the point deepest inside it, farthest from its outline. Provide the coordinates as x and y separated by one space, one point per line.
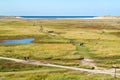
10 66
55 75
59 43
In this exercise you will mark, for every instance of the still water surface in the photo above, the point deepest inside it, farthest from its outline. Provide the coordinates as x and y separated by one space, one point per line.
19 41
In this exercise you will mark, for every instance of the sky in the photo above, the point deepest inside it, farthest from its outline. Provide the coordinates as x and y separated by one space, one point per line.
59 7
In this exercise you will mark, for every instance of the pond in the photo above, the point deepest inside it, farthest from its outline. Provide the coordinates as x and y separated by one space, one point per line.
19 41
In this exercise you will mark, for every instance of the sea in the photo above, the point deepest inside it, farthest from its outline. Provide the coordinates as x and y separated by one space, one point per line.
55 17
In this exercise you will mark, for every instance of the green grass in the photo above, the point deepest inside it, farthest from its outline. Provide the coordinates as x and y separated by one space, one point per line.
83 51
55 75
101 38
10 66
40 51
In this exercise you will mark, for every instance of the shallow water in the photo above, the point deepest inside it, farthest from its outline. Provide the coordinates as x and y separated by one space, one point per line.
19 41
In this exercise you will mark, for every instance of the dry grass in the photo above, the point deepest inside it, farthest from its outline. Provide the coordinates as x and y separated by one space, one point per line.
101 38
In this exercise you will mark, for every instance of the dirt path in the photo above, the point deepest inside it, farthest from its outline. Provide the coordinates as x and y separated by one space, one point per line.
60 66
89 62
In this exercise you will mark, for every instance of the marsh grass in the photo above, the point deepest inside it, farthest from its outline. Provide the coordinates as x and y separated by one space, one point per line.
101 38
56 75
40 51
10 66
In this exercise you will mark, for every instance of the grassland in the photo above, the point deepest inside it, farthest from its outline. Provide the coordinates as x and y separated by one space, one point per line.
58 43
9 66
54 75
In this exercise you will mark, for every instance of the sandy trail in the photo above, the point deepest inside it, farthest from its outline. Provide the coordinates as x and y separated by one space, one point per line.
89 62
60 66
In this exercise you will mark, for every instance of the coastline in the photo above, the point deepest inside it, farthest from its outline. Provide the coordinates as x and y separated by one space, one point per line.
94 18
62 18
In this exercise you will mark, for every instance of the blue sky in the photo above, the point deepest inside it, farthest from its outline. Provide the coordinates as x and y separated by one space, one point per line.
60 7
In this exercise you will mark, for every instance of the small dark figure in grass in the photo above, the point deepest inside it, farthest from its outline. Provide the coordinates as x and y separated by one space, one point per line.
93 68
81 44
26 58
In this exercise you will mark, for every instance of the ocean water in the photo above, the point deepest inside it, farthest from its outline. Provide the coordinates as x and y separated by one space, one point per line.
55 17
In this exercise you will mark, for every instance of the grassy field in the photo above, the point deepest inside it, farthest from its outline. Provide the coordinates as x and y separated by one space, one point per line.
54 75
58 42
10 66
